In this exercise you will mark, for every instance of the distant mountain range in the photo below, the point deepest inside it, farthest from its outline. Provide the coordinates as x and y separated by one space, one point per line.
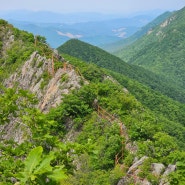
69 18
94 28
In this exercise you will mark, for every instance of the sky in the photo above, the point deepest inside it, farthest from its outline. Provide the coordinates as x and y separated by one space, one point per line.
102 6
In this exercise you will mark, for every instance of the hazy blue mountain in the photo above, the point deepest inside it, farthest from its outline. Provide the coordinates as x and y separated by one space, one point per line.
96 29
52 17
61 17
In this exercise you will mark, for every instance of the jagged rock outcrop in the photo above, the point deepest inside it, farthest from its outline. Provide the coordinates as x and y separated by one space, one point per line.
49 90
16 131
136 164
36 75
164 180
157 169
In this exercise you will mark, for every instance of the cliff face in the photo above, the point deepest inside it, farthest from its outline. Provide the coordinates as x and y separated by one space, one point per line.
34 72
37 77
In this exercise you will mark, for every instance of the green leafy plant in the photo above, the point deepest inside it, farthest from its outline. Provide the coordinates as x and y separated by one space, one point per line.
38 169
46 77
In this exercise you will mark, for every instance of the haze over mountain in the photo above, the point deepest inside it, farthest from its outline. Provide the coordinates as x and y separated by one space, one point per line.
56 17
113 47
94 28
35 12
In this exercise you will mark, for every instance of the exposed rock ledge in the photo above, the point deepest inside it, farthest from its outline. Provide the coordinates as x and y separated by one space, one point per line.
157 169
30 77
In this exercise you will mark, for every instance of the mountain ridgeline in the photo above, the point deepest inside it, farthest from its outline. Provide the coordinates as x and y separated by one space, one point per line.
85 117
92 54
161 50
137 80
113 47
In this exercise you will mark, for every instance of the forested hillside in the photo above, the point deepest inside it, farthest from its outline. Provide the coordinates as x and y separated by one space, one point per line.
92 54
162 49
152 99
68 121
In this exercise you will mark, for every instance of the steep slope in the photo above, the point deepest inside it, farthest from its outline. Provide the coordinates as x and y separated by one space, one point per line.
92 54
162 49
99 132
30 67
140 124
41 75
155 101
36 76
113 47
15 47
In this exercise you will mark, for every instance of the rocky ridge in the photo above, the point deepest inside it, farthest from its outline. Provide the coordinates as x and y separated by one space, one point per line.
36 76
158 170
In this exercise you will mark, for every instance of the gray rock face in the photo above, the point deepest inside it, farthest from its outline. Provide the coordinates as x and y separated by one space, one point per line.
157 168
171 168
16 131
137 164
132 176
123 181
164 180
31 78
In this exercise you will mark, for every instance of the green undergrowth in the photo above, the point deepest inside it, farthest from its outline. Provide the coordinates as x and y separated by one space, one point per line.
73 144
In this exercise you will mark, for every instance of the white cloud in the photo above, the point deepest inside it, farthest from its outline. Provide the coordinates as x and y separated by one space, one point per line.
120 32
69 35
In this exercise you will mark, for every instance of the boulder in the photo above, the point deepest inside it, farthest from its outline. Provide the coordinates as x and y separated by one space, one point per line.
164 180
157 168
123 181
137 164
